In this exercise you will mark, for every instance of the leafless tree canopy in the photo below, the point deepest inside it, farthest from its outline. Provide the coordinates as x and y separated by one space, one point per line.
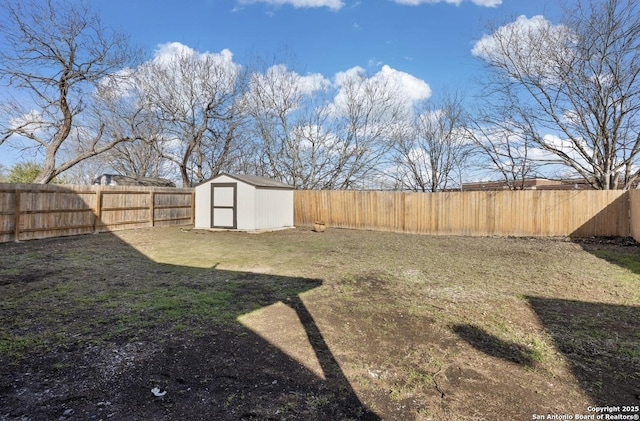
432 151
197 100
54 53
502 146
579 81
318 135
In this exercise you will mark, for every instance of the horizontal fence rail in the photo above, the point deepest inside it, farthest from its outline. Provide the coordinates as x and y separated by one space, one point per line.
502 213
29 211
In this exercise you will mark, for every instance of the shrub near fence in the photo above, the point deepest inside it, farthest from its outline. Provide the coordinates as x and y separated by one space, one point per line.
29 211
504 213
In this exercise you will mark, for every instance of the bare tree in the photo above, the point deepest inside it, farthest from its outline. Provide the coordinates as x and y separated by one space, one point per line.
289 121
502 146
504 151
197 97
55 52
367 113
85 172
317 135
138 159
119 103
129 116
579 81
434 148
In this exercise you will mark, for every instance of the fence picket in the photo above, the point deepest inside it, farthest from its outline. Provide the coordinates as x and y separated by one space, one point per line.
40 211
520 213
33 211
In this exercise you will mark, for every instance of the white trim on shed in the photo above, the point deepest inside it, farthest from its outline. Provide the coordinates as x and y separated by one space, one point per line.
243 202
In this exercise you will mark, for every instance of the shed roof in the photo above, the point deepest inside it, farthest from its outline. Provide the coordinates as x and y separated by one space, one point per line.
254 180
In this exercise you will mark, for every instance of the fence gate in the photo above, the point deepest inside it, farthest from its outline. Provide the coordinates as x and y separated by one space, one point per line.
224 201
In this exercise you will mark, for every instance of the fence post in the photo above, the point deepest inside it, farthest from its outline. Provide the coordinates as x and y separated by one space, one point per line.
152 208
629 213
193 207
98 212
16 215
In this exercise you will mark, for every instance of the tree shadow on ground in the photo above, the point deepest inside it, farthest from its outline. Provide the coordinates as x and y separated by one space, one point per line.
494 346
129 338
620 251
601 343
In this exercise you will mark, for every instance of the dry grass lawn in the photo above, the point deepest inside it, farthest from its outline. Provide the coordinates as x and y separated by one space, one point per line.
302 325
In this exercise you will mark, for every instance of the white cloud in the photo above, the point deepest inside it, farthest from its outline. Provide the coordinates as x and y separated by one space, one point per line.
389 96
419 2
567 147
342 78
374 62
219 68
521 29
512 153
483 3
166 53
487 3
315 137
312 83
182 76
31 121
282 89
405 84
402 84
173 56
533 46
331 4
118 85
287 80
193 75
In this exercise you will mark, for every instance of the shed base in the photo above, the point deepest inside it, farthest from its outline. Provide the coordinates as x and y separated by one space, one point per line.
258 231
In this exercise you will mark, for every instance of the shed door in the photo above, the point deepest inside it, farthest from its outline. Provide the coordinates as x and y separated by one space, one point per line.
224 201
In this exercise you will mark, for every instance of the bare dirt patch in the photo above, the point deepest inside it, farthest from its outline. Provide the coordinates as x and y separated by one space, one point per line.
175 323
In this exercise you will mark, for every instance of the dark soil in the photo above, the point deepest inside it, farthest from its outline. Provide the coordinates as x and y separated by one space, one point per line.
227 375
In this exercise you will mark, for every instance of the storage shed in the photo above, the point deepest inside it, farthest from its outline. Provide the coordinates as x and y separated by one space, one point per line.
243 202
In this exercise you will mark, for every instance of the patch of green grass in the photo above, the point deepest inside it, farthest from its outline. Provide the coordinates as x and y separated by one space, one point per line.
230 400
36 255
539 351
397 394
175 304
417 379
630 262
631 351
14 347
319 401
61 366
95 299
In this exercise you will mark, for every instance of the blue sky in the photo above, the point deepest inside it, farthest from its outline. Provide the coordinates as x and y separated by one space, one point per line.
431 40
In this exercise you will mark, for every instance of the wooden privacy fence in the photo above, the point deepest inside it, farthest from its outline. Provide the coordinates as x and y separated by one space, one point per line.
634 214
504 213
30 211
